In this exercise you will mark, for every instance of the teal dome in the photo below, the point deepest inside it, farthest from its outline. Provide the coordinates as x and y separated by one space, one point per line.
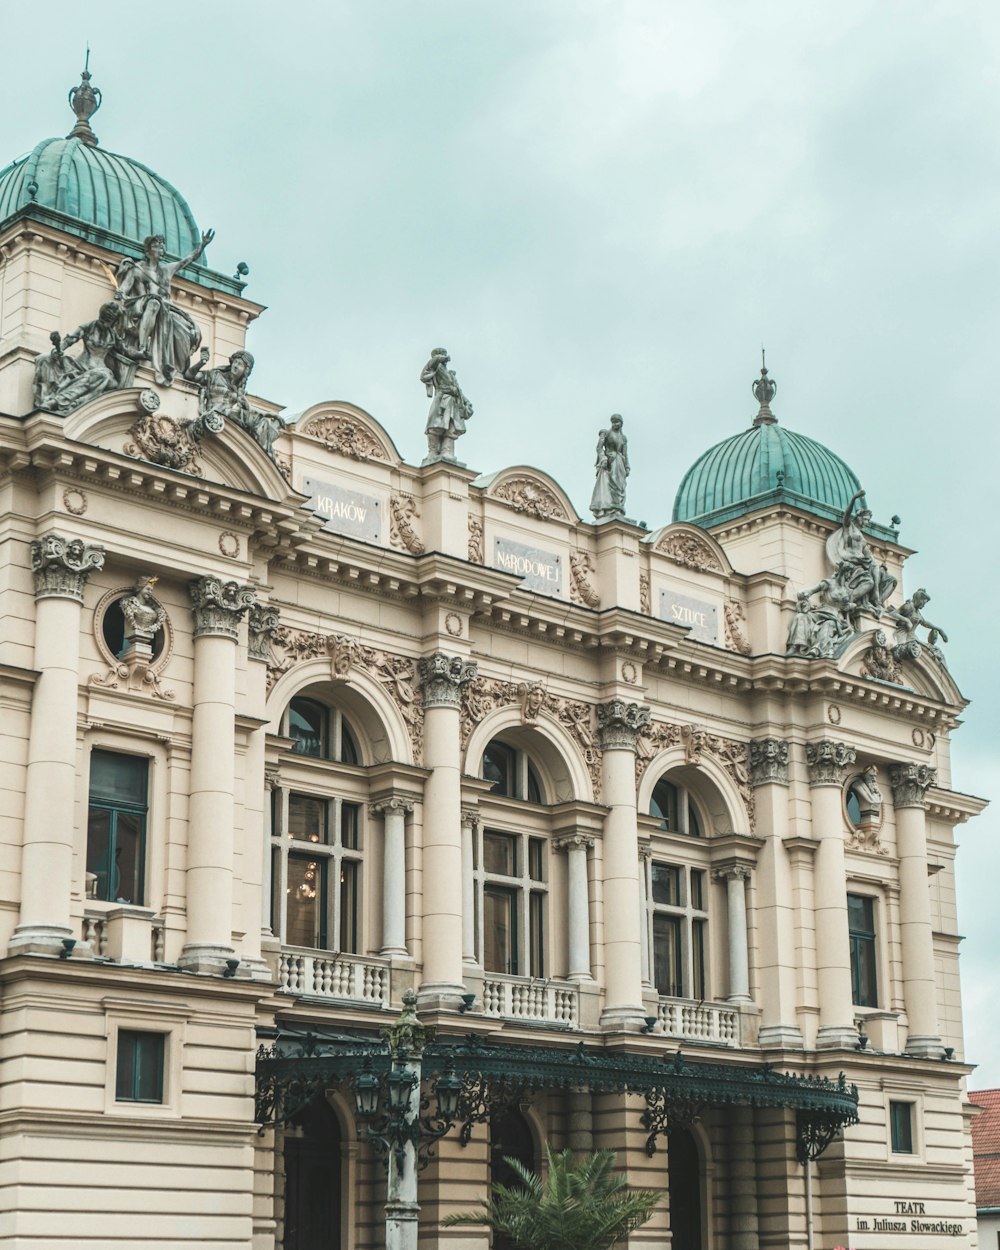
109 193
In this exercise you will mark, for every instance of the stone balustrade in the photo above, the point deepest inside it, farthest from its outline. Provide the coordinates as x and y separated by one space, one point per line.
519 998
699 1022
333 976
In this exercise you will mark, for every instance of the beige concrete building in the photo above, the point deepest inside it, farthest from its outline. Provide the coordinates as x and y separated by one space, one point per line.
600 795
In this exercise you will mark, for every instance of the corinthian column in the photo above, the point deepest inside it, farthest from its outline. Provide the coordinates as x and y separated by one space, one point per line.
61 567
442 678
619 723
775 915
576 846
828 762
736 877
218 607
262 621
910 783
393 812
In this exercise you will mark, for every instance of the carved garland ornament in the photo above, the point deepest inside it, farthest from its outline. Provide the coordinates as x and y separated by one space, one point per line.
525 494
645 597
347 437
395 673
691 551
475 541
581 590
402 510
487 694
733 756
736 627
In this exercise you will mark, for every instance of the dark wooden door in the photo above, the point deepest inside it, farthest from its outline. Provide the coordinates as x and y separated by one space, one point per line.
685 1190
312 1182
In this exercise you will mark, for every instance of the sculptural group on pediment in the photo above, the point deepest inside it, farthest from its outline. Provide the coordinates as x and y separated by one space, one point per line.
142 324
831 612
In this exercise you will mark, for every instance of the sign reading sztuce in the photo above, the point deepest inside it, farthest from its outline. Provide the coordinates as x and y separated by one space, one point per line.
700 617
344 509
538 569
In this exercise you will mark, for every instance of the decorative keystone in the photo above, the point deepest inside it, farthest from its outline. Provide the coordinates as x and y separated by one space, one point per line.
261 624
910 783
442 678
619 723
61 566
828 761
768 762
218 606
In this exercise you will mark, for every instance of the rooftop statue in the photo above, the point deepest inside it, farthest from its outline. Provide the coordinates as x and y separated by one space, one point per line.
608 499
64 383
162 332
908 619
855 567
449 410
223 396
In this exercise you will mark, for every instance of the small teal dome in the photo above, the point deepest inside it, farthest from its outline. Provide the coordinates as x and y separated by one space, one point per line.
99 189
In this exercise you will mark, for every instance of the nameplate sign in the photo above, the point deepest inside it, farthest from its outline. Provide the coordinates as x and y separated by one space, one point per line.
345 510
909 1216
538 569
700 617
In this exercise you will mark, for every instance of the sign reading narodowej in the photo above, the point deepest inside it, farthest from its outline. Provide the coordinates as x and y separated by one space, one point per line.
344 509
700 617
538 569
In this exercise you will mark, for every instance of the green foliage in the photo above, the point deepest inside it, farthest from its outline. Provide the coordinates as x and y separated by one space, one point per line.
581 1205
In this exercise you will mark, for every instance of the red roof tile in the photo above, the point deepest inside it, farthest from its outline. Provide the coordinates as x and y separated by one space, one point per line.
986 1147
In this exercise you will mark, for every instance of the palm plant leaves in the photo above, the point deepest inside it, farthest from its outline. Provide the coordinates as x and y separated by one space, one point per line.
581 1205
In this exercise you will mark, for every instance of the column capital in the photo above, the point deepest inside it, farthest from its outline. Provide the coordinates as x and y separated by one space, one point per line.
272 777
910 783
768 762
470 816
61 566
391 803
572 841
619 723
828 761
261 624
442 678
731 872
218 606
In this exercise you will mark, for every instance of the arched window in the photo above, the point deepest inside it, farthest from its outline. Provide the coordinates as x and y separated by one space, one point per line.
513 774
317 833
676 811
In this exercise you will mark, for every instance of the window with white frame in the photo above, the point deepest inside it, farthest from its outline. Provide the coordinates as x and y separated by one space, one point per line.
317 833
677 918
116 827
510 865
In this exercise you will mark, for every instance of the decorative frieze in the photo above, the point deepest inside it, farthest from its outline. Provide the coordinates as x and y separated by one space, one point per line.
768 762
218 606
828 761
619 724
442 678
261 626
910 783
61 566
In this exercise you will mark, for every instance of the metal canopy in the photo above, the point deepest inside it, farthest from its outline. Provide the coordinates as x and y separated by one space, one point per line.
497 1074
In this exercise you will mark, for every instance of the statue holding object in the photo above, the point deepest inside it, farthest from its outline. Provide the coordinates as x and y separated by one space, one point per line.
64 383
449 410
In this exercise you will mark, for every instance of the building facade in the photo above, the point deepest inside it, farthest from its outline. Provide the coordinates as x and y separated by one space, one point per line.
658 824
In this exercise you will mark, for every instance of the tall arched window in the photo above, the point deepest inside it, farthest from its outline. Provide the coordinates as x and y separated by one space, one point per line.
676 811
318 832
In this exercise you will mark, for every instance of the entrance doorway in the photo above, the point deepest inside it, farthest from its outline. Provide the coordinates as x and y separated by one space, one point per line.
510 1136
312 1179
684 1163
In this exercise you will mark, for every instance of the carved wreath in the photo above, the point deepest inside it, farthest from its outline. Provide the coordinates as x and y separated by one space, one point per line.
690 551
346 436
528 495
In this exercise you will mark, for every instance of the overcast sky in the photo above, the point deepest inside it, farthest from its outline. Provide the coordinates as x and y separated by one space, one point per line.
607 207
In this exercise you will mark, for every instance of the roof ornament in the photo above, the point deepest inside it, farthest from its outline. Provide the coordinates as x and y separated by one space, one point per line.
764 390
84 100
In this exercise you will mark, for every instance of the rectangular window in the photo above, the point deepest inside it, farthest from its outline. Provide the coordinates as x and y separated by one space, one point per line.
349 821
535 859
536 934
305 923
667 965
697 889
861 928
667 884
116 826
698 959
307 818
500 930
349 907
500 854
901 1127
139 1071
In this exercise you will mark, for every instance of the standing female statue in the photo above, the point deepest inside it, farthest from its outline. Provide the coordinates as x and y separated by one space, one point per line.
164 333
612 467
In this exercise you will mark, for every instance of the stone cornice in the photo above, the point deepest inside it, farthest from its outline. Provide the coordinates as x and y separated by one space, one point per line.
952 806
796 677
726 849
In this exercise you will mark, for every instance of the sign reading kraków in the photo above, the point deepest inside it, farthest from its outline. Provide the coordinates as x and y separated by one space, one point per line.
700 617
539 570
345 510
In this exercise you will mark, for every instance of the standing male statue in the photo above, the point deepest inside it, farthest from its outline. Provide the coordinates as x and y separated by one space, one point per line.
449 409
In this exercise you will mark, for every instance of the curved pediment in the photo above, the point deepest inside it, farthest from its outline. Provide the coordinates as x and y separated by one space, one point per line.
870 655
529 491
132 423
691 547
348 431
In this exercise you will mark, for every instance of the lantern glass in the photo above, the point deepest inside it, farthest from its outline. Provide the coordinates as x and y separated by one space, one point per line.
449 1091
400 1084
366 1090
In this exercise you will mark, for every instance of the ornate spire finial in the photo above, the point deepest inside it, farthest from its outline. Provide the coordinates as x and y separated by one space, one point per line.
764 390
84 100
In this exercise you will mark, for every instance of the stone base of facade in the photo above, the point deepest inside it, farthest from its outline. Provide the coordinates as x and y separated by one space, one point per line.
926 1046
629 1019
837 1037
440 996
45 939
780 1037
206 957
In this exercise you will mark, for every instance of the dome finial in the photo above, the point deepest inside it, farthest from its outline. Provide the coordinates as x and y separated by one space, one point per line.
84 100
764 390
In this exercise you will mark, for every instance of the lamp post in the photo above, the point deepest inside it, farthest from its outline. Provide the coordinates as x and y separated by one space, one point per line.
389 1117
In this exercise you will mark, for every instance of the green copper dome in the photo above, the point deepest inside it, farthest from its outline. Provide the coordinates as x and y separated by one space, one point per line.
761 466
96 188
